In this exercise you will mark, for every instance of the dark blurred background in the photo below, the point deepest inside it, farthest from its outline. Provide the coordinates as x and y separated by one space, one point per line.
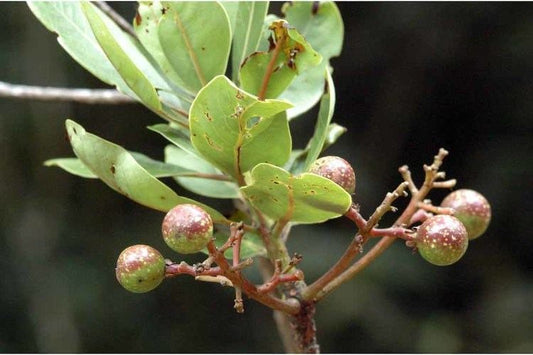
412 77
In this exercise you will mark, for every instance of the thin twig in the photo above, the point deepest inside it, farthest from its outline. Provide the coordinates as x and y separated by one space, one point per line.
448 184
435 209
406 174
385 242
385 206
46 93
219 279
355 247
289 306
175 269
242 265
115 16
396 232
237 231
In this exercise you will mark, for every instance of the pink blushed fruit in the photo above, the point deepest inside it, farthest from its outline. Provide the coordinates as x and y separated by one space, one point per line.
441 240
187 228
471 208
140 268
337 170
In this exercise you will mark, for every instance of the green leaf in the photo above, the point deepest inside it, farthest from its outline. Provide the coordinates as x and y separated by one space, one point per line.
333 133
251 245
305 90
200 186
176 136
113 42
116 167
270 141
323 28
147 19
327 107
153 167
195 38
249 27
235 131
195 162
254 69
296 163
291 56
231 7
305 198
158 168
321 25
73 166
66 19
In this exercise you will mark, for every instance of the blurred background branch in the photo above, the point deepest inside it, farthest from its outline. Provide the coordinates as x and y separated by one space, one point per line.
41 93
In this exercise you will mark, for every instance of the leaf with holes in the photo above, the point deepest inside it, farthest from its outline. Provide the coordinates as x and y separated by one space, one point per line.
195 38
215 186
321 25
235 131
305 198
116 167
290 56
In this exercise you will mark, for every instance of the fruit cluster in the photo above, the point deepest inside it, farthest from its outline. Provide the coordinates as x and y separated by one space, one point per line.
442 238
186 229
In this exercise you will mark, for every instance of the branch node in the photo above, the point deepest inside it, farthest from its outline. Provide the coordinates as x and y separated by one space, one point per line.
295 260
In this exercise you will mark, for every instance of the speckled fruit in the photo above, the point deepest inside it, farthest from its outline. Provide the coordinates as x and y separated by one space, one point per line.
472 209
337 170
442 240
187 228
140 268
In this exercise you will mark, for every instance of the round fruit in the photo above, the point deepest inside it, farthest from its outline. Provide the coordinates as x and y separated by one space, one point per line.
442 240
471 208
337 170
187 228
140 268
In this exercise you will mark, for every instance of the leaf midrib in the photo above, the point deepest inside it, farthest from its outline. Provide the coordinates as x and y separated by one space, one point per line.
190 50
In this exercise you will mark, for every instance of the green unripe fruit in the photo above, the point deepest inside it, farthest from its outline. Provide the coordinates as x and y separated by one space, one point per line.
441 240
187 228
140 268
472 209
337 170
